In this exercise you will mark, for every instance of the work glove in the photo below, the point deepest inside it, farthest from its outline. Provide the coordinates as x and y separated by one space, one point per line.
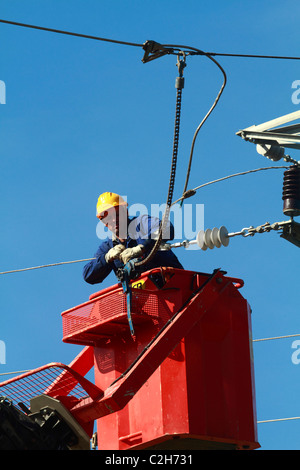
130 253
114 253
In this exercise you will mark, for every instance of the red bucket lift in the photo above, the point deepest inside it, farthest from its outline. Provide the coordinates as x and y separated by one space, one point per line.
184 381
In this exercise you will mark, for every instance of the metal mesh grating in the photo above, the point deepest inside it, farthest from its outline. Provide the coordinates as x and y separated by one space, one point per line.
112 308
53 380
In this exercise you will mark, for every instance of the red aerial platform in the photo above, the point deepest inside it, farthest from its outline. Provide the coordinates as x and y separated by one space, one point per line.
184 381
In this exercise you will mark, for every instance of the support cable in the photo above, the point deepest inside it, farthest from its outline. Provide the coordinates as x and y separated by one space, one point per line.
192 50
278 419
198 187
158 50
87 36
191 192
69 33
15 372
204 120
179 84
47 265
276 337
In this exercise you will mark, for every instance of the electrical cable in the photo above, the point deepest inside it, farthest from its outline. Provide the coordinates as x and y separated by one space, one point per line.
47 265
198 187
256 56
276 337
278 419
275 420
87 36
15 372
69 33
194 51
179 85
254 340
205 117
191 50
175 147
191 192
188 50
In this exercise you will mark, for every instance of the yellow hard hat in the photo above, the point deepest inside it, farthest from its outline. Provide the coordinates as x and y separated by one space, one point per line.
108 200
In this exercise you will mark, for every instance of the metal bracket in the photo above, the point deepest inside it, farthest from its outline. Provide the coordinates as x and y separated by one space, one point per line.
270 132
124 275
120 392
291 233
154 50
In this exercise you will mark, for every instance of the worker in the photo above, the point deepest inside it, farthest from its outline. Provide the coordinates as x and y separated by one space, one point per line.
132 237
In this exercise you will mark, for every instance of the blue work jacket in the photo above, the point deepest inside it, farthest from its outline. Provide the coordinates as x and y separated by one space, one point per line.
98 269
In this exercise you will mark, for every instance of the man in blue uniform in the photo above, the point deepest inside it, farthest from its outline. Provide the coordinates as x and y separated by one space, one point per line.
131 238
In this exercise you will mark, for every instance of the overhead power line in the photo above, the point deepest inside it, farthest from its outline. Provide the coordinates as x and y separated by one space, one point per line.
255 56
277 419
192 191
46 265
15 372
127 43
276 337
69 33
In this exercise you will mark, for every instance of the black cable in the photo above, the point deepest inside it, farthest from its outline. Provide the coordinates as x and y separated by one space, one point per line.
189 50
255 56
179 86
198 51
87 36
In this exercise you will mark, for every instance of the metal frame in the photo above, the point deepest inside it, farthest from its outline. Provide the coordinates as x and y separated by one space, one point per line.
122 390
100 403
286 136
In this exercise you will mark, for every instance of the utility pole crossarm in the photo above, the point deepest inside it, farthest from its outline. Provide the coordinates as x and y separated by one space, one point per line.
270 132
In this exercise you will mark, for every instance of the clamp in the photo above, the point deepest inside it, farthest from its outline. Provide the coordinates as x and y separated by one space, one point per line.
154 50
125 274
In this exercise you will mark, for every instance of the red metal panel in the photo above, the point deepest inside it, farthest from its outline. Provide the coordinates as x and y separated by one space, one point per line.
203 391
56 380
185 379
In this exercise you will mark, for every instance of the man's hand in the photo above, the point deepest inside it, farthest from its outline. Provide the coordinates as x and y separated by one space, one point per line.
114 253
130 253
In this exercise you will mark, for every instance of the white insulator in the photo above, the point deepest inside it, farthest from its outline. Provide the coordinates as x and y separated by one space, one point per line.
273 152
207 239
200 240
215 237
212 238
223 236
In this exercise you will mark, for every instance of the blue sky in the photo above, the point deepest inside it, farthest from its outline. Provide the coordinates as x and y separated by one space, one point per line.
83 117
